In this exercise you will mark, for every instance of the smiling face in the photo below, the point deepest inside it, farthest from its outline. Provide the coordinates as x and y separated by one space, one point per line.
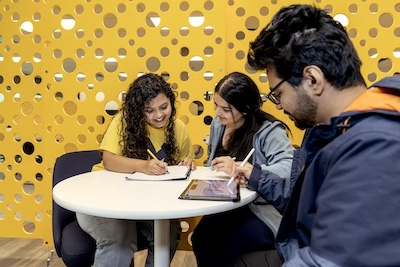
228 114
158 111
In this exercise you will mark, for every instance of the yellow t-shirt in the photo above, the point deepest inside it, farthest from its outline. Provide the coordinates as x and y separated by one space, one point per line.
112 139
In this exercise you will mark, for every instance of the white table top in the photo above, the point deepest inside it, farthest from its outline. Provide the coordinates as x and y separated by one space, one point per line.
109 194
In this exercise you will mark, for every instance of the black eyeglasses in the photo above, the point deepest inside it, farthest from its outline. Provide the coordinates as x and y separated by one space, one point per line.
275 98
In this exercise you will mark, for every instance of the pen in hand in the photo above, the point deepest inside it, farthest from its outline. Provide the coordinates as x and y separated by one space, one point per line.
242 164
154 157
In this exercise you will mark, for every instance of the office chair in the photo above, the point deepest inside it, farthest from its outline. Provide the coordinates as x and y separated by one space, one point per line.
72 244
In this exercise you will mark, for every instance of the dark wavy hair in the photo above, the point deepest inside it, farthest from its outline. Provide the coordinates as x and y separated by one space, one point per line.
304 35
134 132
240 91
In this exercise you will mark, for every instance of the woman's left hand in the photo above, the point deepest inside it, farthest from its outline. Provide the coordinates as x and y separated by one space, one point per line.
223 164
188 162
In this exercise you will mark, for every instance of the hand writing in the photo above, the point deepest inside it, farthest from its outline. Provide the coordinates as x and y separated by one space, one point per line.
242 174
156 166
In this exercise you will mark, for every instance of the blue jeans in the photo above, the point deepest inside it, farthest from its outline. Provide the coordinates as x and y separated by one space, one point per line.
116 239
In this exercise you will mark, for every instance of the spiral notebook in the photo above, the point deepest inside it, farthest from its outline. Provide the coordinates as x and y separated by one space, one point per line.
211 190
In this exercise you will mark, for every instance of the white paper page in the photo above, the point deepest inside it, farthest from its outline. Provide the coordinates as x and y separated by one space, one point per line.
175 173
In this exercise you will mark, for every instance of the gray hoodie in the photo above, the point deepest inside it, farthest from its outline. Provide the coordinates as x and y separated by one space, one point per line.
273 155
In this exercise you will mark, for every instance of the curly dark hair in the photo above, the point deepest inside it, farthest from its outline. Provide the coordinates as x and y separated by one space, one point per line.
134 132
240 91
304 35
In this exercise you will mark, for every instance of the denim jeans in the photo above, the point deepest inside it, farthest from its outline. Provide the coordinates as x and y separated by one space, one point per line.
116 239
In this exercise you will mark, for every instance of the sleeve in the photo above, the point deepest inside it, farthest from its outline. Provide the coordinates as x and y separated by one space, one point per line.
357 206
111 138
277 150
271 179
184 142
210 153
304 257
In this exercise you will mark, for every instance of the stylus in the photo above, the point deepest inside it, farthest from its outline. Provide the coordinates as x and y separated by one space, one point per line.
242 164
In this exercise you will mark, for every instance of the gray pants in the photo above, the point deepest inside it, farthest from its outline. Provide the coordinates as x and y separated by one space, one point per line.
117 240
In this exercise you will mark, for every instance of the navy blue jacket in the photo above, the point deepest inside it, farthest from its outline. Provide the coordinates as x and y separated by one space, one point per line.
345 205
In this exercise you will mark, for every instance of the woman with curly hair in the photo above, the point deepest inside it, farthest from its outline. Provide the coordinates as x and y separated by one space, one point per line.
146 121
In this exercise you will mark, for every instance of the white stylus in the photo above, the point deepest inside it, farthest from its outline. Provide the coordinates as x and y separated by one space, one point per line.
242 164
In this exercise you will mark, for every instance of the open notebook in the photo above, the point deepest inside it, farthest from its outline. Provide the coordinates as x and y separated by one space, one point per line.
175 172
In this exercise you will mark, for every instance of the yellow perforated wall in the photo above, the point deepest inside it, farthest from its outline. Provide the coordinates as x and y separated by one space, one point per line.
64 66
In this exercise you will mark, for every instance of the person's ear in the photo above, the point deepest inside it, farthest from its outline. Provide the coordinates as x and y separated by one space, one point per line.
314 79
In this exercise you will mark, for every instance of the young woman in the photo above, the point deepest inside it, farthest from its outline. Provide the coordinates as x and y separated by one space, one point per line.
240 125
145 121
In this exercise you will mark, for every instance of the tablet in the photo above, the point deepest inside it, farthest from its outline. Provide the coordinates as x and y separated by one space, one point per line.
211 190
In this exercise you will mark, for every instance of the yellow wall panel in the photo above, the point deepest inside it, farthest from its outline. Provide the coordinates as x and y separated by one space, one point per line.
64 66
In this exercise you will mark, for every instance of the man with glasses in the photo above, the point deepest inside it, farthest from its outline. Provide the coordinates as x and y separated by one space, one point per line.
345 204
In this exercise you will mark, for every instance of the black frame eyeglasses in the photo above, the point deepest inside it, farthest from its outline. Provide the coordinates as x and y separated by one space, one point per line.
275 98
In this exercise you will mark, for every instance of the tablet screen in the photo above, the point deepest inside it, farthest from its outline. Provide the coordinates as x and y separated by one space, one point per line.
211 190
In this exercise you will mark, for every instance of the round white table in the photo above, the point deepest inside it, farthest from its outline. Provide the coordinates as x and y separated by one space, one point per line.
109 194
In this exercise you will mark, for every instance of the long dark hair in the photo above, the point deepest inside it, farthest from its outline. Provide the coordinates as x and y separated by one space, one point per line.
240 91
134 132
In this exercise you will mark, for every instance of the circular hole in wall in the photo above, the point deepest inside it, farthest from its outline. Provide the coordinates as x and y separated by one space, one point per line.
184 95
110 20
39 199
111 108
198 151
208 75
111 64
207 120
39 177
69 65
196 18
208 95
164 31
68 22
38 159
29 226
26 27
153 19
28 148
27 68
196 63
196 108
18 215
385 64
153 64
28 187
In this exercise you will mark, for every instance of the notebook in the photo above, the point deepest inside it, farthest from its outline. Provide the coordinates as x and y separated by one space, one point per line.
174 173
211 190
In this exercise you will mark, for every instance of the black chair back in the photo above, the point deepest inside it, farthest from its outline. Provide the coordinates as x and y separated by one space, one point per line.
80 251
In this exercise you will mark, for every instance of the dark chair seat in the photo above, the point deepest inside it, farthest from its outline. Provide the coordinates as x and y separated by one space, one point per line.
77 247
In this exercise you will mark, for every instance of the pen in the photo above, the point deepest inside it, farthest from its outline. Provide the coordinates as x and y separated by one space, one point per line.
154 157
151 154
242 164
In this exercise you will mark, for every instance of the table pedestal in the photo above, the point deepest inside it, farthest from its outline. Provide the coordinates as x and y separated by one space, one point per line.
161 243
